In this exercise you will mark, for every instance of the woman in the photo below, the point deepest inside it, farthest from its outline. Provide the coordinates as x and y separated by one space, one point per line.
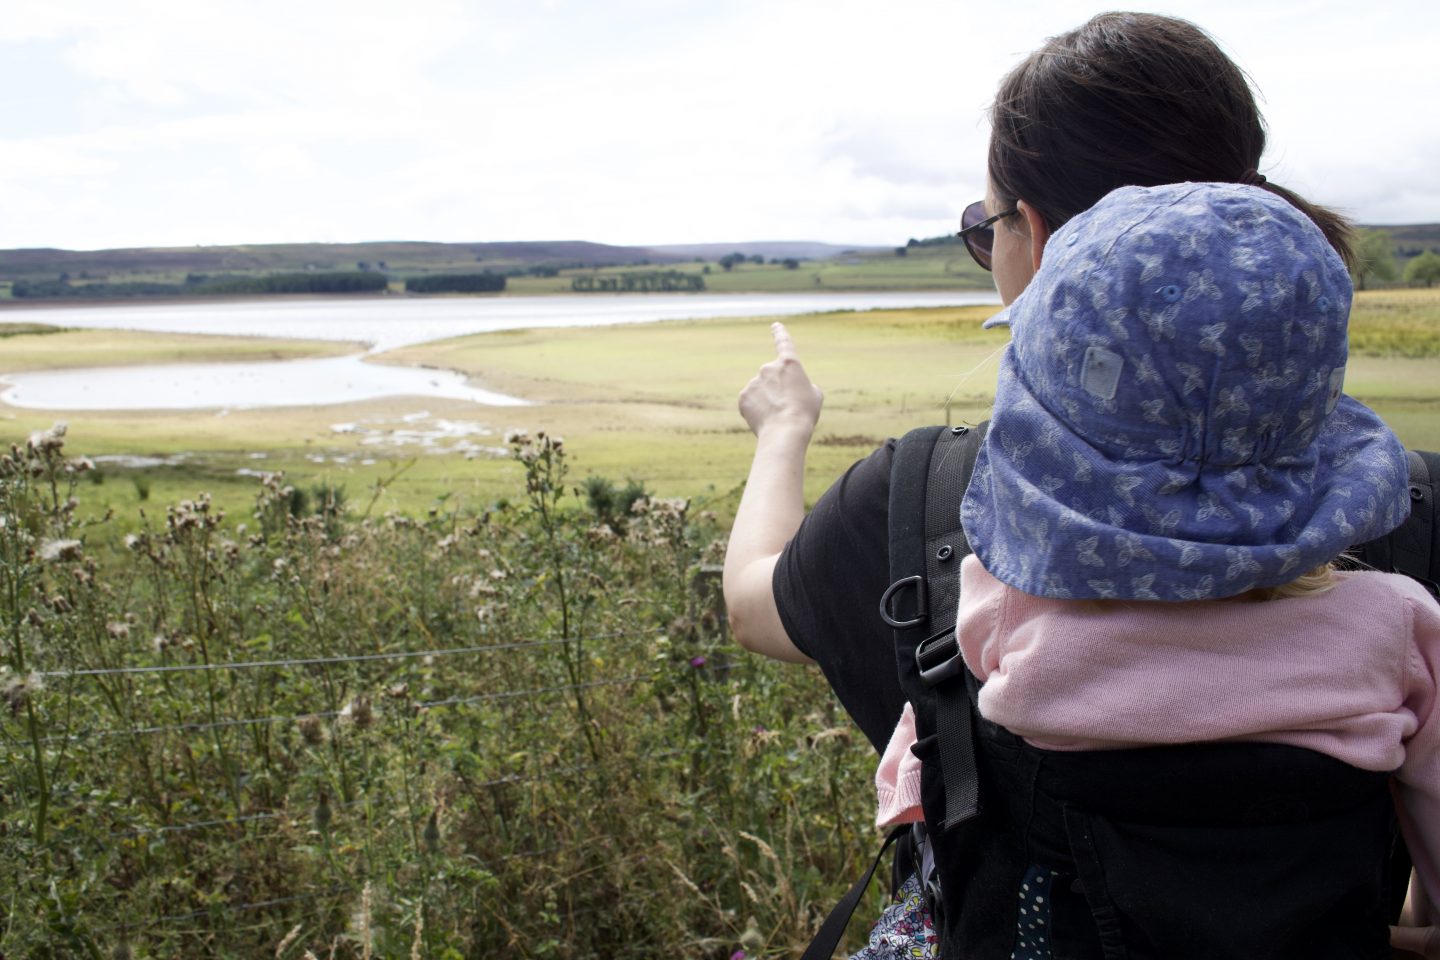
1125 99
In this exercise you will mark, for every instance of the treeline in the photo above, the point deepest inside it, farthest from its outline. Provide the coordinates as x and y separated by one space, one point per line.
656 281
278 283
456 283
298 283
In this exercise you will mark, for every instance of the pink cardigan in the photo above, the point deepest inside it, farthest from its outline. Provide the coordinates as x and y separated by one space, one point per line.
1352 673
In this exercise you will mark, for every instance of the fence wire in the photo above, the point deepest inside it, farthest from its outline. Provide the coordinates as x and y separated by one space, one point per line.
322 661
330 714
505 781
138 926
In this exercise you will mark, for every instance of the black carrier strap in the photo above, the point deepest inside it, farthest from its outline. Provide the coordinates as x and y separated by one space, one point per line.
822 947
928 476
931 470
1413 548
1416 544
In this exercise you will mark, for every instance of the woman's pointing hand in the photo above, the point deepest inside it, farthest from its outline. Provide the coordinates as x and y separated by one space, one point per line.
781 394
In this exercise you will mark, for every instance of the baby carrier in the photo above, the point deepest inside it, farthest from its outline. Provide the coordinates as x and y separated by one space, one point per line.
1197 851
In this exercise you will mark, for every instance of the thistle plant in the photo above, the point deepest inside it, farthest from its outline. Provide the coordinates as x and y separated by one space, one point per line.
486 730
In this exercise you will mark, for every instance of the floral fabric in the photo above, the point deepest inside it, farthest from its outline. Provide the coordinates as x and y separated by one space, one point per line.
904 930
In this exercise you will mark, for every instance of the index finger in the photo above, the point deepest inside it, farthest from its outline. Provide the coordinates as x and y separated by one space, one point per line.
784 346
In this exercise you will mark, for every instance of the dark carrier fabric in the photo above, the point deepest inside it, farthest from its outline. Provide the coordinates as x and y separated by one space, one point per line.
827 587
1260 851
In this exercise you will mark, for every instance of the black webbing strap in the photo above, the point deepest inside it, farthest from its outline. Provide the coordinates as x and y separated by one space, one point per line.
1413 548
822 947
1415 544
951 464
930 472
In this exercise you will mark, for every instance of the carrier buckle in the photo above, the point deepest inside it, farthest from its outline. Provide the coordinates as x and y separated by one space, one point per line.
938 658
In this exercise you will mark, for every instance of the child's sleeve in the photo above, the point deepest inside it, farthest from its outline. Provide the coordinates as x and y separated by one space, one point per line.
897 778
1418 802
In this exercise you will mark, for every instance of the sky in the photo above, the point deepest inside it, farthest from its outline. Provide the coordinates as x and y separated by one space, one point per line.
176 123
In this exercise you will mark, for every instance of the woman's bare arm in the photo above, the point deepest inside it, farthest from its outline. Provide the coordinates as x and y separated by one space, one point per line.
781 406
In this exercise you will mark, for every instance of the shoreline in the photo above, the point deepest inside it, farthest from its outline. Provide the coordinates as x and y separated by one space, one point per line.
60 303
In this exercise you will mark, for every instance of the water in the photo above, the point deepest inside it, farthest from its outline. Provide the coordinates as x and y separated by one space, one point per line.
237 386
380 324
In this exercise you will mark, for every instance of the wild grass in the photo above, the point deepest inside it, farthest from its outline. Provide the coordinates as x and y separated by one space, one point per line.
1396 323
515 732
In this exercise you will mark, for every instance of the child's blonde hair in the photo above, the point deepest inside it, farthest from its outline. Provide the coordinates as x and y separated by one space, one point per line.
1309 584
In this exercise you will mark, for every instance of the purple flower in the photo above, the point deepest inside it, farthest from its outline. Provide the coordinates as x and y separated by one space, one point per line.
697 663
738 955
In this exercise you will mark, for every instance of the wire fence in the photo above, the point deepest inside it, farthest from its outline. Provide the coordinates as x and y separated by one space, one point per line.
324 661
316 813
333 714
283 664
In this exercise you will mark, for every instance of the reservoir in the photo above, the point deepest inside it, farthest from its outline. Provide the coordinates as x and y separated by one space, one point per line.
375 326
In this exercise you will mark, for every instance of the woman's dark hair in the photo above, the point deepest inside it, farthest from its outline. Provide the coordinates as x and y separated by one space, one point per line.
1129 99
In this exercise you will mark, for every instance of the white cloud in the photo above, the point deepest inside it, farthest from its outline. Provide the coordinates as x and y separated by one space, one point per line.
631 121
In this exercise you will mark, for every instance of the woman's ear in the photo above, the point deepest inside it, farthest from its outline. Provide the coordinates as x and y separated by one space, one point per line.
1039 231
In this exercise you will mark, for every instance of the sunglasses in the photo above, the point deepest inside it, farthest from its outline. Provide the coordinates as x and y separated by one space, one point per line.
978 231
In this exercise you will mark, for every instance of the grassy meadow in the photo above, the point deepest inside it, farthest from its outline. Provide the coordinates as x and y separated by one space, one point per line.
653 402
939 267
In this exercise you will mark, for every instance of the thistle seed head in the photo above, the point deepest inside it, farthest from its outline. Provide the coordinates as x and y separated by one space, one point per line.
360 712
312 730
59 551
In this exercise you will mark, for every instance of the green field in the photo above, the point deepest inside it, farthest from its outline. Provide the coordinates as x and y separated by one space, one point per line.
654 402
943 267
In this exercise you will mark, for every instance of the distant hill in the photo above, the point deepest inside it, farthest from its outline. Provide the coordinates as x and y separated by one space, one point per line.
401 258
770 250
1412 238
397 257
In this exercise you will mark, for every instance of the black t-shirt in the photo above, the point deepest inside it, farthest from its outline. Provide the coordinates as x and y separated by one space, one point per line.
827 585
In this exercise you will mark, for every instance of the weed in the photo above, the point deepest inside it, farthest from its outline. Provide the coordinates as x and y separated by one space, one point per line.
491 733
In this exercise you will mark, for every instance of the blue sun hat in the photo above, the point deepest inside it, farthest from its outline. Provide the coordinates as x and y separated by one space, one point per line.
1169 422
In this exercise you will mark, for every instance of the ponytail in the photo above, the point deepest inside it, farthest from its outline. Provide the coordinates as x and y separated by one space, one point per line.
1337 229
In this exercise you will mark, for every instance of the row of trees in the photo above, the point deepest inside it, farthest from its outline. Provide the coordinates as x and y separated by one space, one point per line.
1375 262
656 281
486 282
731 260
277 283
